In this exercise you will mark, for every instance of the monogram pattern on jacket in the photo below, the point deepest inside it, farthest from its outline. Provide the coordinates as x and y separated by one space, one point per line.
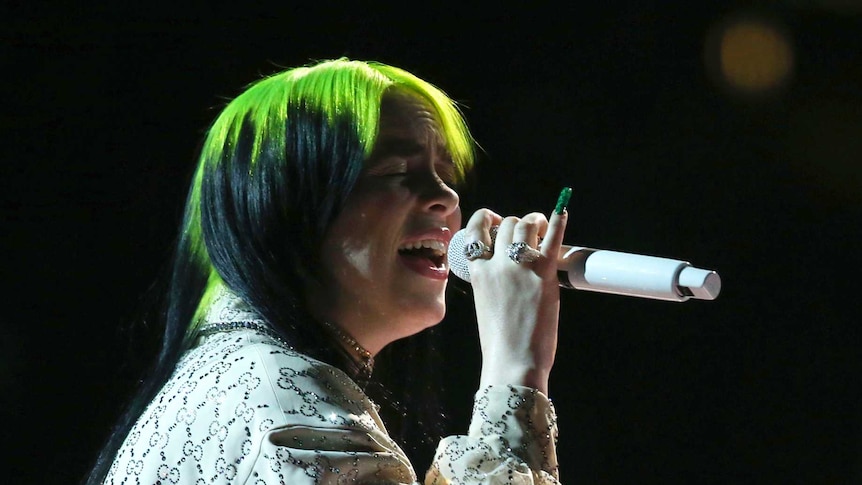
242 407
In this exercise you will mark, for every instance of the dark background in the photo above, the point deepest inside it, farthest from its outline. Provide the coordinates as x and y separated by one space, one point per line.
104 108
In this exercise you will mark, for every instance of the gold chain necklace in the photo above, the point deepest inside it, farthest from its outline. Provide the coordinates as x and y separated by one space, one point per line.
362 355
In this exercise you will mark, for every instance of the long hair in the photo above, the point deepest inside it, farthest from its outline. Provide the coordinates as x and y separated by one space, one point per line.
275 169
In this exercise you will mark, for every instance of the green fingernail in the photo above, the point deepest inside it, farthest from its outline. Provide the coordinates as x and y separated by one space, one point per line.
563 200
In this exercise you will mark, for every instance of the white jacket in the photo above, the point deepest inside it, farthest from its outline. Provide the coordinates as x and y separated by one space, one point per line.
243 408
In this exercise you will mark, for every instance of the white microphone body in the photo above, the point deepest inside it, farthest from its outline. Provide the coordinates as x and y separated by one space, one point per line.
618 273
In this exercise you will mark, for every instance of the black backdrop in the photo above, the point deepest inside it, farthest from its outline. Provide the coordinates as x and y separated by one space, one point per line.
104 107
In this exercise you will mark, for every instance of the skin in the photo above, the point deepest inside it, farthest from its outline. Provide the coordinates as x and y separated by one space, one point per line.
401 195
378 296
517 305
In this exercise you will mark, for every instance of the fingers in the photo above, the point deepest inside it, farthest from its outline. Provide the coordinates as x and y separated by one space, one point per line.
554 237
534 229
530 228
526 229
556 227
479 226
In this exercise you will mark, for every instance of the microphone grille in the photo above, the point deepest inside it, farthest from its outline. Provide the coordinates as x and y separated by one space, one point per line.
457 260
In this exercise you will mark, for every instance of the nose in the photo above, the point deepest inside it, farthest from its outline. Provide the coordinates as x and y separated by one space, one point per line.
438 197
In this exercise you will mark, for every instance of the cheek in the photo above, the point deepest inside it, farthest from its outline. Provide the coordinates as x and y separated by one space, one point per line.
356 243
358 258
363 235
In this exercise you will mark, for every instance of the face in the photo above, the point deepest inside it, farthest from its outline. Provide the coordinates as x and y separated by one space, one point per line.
384 257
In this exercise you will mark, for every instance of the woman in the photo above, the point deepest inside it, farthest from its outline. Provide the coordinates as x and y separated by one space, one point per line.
315 234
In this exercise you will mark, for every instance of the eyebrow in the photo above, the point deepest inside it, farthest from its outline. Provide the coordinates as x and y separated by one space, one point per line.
396 146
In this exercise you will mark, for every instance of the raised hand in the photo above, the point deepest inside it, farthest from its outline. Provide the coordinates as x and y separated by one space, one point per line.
517 294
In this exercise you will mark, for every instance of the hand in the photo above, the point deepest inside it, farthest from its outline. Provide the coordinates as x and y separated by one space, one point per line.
517 305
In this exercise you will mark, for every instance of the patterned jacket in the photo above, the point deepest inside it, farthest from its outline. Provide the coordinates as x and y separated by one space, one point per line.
244 408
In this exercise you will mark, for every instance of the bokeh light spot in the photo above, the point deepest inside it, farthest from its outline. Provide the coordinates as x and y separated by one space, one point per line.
750 55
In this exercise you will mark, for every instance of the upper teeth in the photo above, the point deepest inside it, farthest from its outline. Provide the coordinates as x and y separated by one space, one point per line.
435 245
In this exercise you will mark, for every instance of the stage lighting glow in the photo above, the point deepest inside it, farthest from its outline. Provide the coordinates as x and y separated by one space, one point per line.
750 55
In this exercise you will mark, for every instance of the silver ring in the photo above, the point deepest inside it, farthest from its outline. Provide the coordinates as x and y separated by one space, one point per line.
521 252
476 249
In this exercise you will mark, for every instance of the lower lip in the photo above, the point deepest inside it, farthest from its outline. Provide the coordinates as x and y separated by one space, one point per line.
425 268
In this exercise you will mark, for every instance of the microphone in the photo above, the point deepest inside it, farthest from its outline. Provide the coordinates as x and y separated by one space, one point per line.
618 273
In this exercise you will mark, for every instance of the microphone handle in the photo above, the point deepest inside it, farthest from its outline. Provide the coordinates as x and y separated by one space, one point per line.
637 275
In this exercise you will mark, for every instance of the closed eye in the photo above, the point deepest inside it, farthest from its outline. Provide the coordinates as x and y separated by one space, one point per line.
393 167
446 173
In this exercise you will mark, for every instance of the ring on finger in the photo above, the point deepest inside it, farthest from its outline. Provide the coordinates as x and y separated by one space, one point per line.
476 249
521 252
493 233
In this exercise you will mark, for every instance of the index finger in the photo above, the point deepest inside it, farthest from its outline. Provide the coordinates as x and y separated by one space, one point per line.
479 226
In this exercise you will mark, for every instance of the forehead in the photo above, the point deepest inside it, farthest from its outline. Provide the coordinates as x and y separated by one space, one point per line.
407 116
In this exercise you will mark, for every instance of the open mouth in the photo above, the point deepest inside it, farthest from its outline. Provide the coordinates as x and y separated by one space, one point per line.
431 250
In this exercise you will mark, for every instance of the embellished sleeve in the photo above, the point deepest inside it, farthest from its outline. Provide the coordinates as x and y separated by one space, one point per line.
512 440
337 454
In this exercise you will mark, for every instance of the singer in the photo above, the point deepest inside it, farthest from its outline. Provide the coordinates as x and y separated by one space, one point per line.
315 234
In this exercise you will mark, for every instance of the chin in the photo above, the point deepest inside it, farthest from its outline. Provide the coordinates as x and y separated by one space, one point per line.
420 320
